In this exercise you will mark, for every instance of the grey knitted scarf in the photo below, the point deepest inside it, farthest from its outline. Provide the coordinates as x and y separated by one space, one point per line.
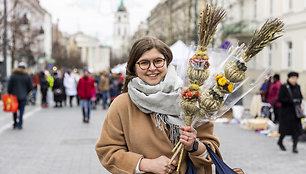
162 100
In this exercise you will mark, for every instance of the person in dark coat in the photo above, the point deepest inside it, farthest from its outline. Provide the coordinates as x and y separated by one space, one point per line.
58 90
20 84
44 84
289 124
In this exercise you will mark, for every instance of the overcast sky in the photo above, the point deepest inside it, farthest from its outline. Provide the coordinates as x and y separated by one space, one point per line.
96 17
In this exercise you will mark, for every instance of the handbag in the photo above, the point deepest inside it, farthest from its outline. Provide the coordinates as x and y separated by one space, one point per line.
10 103
299 111
190 167
297 107
58 91
221 167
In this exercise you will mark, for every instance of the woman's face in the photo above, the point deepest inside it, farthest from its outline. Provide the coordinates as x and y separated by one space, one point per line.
151 75
293 80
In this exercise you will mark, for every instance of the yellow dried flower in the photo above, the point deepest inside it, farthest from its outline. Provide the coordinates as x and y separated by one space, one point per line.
218 77
201 52
194 87
230 87
222 81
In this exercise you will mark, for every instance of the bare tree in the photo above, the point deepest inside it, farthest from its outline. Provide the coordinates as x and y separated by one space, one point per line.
22 41
65 60
114 60
177 22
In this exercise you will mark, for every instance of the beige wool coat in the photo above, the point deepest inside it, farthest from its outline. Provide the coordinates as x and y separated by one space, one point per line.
104 83
128 134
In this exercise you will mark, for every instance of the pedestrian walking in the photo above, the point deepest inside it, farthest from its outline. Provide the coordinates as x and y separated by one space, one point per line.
70 85
50 81
58 90
121 81
76 75
44 85
272 97
85 89
104 88
264 89
94 97
114 89
137 136
289 124
98 92
35 81
20 84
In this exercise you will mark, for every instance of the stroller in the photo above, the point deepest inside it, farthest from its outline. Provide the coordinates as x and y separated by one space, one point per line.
31 99
266 110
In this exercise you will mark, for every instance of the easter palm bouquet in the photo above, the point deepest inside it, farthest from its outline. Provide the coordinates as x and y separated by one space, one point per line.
207 100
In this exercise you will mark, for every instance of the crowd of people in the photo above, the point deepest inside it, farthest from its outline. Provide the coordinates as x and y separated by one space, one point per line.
87 89
283 99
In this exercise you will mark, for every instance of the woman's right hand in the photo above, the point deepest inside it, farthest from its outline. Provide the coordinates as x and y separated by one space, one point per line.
158 165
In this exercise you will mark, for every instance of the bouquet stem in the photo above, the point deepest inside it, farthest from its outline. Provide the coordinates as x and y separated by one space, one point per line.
176 146
180 159
181 146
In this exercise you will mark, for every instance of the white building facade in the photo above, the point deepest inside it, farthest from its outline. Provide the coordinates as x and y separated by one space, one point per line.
287 53
121 33
34 23
96 57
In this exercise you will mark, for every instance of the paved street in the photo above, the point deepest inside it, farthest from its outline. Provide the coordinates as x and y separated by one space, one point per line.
53 141
259 154
56 141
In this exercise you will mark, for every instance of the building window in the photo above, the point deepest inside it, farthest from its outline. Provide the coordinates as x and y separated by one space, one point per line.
289 54
255 9
118 18
304 54
287 6
290 5
271 7
270 56
241 9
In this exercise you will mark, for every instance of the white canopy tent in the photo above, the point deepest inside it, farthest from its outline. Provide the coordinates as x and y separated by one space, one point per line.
120 68
181 53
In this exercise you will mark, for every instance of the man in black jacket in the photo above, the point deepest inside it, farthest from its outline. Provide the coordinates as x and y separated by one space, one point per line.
20 84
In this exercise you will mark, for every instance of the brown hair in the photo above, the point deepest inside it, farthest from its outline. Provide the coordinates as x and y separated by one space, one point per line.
139 47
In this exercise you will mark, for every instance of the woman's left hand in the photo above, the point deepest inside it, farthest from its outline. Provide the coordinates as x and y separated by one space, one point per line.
188 137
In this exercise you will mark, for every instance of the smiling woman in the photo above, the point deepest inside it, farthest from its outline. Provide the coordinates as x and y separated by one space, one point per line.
145 51
151 73
143 124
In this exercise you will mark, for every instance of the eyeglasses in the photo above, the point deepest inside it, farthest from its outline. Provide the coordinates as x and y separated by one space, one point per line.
145 64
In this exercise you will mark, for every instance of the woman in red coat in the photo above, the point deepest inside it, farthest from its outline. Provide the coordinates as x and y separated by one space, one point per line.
272 96
85 89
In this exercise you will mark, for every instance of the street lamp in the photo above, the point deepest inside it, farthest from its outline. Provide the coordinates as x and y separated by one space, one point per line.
4 75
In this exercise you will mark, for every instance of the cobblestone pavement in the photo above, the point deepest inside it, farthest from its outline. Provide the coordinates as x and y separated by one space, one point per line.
56 141
259 154
53 141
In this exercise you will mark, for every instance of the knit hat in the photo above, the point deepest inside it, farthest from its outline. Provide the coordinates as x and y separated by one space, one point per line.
22 65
